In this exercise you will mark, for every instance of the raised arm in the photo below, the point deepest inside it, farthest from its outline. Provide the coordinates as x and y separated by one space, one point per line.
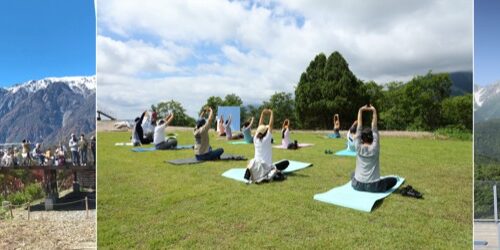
169 118
360 121
142 117
210 115
261 119
251 122
229 119
271 120
374 118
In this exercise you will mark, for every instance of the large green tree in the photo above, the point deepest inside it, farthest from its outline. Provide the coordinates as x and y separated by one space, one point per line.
457 111
327 87
180 116
283 106
416 105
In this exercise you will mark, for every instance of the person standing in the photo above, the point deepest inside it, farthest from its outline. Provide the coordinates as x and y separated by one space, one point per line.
73 147
82 149
93 147
26 152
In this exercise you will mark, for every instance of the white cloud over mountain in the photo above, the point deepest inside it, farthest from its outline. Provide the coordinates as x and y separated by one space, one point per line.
151 50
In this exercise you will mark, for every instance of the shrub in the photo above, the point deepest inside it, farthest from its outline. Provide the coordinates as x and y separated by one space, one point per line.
34 191
458 132
17 198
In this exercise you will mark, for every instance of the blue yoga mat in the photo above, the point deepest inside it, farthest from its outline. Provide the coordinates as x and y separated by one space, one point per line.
346 196
346 152
149 149
239 142
333 136
239 173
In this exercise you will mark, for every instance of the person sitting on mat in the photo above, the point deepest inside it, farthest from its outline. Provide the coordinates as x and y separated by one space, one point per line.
220 126
350 136
261 167
247 131
336 126
159 136
285 136
367 174
229 134
138 132
202 149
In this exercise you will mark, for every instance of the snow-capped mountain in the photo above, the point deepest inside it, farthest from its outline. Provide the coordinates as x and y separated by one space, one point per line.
486 102
83 84
48 110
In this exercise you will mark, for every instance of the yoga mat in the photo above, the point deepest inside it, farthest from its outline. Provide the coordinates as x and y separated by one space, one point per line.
333 136
346 152
149 149
224 157
239 173
130 144
301 145
239 142
346 196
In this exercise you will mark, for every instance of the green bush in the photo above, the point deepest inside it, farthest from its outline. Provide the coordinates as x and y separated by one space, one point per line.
17 198
31 192
458 110
34 191
458 132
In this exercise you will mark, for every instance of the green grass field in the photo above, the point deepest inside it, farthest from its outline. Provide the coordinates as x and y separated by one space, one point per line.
146 203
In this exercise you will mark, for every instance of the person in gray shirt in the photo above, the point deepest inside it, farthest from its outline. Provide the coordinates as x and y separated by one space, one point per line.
366 177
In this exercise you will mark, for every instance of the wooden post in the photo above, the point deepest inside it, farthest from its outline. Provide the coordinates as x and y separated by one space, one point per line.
11 214
29 208
87 206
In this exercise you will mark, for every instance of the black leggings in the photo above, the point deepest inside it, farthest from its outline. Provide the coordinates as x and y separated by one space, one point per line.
282 165
379 186
171 143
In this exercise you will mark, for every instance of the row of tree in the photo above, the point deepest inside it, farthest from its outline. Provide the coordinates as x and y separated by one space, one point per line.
328 87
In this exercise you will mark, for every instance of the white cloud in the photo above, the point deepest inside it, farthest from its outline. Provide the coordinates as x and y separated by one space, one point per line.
189 50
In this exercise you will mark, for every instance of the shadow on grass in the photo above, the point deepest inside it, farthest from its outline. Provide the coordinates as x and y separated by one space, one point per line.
293 174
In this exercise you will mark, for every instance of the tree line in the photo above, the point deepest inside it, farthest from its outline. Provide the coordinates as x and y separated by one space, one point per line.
329 87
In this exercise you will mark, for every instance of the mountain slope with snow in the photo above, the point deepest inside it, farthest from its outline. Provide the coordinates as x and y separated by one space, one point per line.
486 102
48 110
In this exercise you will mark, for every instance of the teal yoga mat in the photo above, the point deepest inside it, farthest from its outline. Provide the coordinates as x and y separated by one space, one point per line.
333 136
149 149
346 196
239 173
239 142
346 152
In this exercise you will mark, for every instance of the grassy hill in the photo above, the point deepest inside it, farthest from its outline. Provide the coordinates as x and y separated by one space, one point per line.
146 203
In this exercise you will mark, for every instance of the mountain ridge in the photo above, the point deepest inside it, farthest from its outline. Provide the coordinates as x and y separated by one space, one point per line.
48 110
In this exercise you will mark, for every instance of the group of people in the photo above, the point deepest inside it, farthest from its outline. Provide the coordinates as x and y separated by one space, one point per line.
224 129
363 140
52 156
147 129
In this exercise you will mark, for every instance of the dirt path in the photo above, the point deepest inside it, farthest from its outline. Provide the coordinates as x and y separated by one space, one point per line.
49 230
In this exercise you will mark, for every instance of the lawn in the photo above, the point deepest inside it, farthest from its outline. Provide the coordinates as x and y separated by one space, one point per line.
146 203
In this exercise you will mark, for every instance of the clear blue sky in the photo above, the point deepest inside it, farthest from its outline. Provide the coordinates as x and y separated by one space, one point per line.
486 42
46 38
